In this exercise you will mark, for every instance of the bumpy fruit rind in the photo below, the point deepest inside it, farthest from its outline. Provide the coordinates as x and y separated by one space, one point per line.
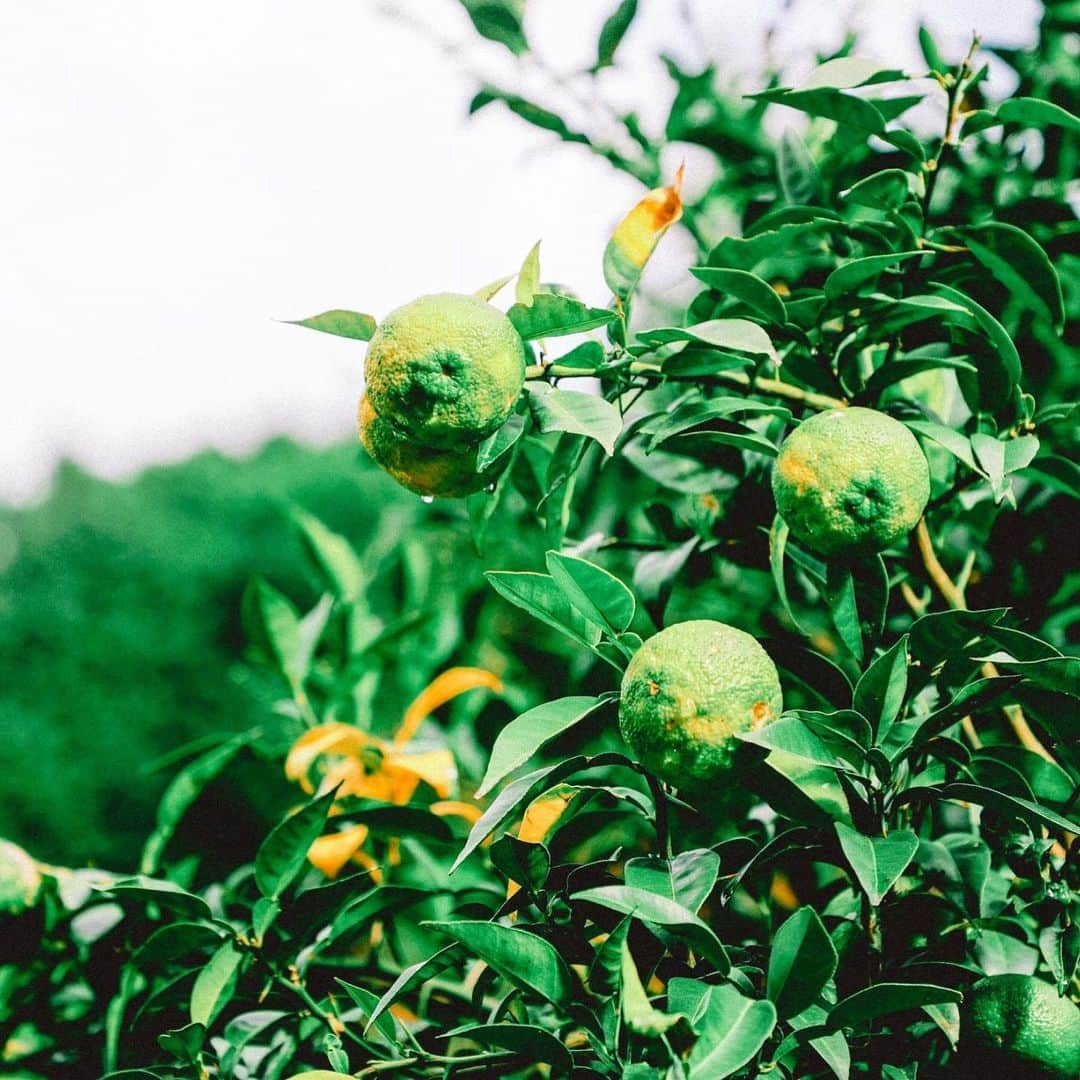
20 879
688 691
446 369
850 481
445 473
1017 1026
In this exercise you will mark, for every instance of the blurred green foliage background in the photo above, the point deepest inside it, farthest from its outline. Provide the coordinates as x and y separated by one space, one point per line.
120 631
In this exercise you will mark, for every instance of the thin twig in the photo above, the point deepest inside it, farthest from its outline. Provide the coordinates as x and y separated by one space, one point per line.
954 597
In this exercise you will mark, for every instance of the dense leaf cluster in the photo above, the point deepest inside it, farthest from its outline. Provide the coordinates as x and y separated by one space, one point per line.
905 828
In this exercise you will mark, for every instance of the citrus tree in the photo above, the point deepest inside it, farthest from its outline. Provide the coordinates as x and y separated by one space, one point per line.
757 755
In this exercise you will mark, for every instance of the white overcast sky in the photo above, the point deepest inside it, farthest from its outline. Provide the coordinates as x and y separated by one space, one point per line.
178 176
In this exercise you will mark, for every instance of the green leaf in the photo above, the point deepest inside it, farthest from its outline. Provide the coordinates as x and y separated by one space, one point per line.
347 324
523 737
500 442
791 736
687 879
733 1029
273 623
879 693
931 55
997 380
500 21
749 288
1034 112
553 315
543 599
577 412
526 960
849 276
990 454
1020 264
166 894
321 1074
533 1043
656 910
795 169
887 998
888 189
183 790
839 593
846 72
802 960
846 109
528 281
612 32
942 633
695 413
1009 806
332 555
877 861
368 1003
740 335
778 538
958 445
600 596
215 984
283 854
637 1010
416 973
504 804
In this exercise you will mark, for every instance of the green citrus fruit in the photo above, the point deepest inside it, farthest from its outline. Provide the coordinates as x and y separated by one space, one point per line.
446 369
20 879
688 691
851 481
1016 1026
447 473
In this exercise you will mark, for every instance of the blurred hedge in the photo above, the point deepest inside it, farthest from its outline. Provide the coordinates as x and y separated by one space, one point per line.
120 634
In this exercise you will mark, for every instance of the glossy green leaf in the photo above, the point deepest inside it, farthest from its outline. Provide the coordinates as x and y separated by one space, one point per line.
1034 112
184 788
733 1028
839 594
215 984
740 335
600 596
749 288
501 21
687 879
877 861
879 693
347 324
886 998
885 190
855 273
282 856
576 412
659 911
523 737
543 599
528 961
802 960
552 315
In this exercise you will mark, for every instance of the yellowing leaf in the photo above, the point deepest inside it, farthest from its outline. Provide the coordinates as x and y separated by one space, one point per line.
636 236
434 767
452 808
444 688
540 818
330 853
313 744
528 281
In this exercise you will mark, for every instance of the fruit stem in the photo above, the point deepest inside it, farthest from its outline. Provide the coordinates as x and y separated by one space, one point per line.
641 368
